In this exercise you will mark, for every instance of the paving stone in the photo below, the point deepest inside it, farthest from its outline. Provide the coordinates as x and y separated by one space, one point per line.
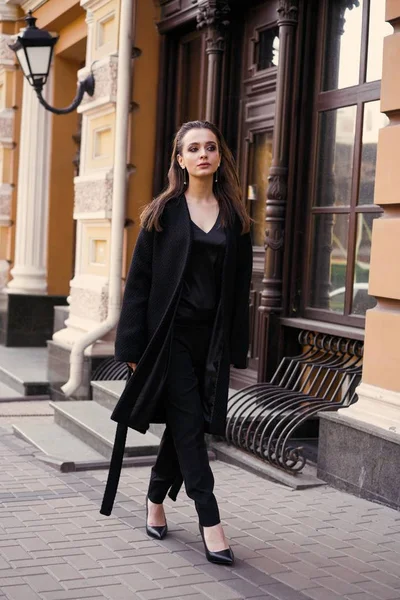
43 583
20 592
379 591
175 592
283 592
76 594
138 582
218 591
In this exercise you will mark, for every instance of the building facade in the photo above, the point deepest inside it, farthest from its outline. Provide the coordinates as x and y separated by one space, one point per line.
307 96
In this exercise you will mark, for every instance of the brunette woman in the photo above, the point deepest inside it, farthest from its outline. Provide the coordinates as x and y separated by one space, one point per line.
184 321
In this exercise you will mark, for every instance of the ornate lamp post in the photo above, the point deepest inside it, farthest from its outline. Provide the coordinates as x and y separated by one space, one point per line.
34 50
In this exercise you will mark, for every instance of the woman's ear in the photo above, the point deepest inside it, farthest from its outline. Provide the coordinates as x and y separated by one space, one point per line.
180 161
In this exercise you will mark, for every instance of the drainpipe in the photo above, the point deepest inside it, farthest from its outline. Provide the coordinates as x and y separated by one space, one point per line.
119 195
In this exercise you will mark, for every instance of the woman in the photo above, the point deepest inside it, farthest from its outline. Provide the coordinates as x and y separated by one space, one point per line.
184 321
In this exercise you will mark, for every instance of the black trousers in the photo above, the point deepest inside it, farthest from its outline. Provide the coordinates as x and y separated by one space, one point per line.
183 446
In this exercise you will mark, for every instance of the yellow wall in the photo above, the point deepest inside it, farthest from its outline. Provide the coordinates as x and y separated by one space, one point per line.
143 128
69 57
61 243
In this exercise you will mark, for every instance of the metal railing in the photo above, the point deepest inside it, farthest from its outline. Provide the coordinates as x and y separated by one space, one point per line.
263 418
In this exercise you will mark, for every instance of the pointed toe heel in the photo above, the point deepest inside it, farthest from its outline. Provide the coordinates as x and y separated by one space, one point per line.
222 557
158 532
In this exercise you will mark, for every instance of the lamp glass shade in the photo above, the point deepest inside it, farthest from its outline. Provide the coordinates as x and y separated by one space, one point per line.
39 59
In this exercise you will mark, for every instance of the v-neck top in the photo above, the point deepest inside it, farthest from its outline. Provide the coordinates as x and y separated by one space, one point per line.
202 280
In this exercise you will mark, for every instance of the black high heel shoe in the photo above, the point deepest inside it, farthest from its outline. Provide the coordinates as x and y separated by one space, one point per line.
158 532
222 557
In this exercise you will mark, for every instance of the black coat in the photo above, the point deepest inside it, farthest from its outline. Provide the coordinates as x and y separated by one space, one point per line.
143 334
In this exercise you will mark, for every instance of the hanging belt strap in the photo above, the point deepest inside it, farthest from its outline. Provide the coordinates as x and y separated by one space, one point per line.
114 470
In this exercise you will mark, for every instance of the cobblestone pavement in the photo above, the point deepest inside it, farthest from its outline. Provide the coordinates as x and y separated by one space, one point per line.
317 544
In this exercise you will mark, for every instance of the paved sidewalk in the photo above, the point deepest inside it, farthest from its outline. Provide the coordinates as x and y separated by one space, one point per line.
54 544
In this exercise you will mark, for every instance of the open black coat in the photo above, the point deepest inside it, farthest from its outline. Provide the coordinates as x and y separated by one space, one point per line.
144 331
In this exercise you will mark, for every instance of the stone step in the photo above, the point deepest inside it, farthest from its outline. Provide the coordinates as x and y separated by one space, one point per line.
56 442
107 393
24 370
9 394
91 423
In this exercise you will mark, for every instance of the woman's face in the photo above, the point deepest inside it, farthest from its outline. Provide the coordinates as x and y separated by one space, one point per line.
200 153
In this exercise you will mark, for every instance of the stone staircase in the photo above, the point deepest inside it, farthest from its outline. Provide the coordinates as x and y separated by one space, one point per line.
23 374
81 435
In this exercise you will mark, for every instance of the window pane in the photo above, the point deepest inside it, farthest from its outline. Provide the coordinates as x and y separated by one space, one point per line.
260 156
361 300
343 48
266 49
378 29
373 121
335 156
329 260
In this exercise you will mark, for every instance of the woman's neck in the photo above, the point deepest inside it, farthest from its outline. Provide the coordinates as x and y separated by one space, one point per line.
200 190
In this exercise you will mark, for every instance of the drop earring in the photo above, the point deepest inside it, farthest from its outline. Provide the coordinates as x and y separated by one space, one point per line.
216 175
184 176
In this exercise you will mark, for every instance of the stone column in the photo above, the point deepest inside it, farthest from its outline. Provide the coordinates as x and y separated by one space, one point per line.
359 448
271 296
212 14
30 269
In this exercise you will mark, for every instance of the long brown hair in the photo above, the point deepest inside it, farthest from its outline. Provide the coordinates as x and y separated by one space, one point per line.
226 190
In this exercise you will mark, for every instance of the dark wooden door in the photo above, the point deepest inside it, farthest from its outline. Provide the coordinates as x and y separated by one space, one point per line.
257 111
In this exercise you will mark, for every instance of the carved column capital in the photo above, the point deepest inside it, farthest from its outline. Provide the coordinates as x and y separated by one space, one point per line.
288 12
213 13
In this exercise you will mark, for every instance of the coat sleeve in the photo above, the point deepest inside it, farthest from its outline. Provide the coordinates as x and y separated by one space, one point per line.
131 338
240 322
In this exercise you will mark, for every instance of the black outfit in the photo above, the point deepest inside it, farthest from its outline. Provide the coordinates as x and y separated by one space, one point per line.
183 449
145 330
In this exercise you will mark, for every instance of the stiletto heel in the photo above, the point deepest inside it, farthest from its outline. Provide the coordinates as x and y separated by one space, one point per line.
158 532
222 557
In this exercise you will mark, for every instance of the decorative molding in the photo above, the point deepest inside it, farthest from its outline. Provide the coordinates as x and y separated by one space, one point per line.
6 125
95 195
288 11
93 5
32 5
213 13
106 76
7 56
9 11
89 304
5 200
376 406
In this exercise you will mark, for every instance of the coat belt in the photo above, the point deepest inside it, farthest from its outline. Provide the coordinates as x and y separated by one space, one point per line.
114 472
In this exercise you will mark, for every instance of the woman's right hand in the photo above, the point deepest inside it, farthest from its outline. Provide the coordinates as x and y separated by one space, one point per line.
132 366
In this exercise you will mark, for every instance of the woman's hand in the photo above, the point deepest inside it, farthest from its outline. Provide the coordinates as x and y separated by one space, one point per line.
132 366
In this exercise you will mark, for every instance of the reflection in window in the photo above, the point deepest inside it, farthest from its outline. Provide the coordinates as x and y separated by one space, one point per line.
373 121
260 156
329 261
378 29
335 156
266 49
342 56
361 301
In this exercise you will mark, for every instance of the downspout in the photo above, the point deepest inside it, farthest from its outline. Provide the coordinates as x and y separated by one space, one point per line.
123 101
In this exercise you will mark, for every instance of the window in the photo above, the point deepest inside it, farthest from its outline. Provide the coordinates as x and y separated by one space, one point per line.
347 120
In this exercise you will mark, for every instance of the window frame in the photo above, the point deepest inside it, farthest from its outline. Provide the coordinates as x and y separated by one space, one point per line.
323 101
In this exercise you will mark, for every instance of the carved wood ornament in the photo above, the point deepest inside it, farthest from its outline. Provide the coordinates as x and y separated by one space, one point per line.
212 15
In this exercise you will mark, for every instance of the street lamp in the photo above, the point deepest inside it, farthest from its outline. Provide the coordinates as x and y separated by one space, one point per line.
34 50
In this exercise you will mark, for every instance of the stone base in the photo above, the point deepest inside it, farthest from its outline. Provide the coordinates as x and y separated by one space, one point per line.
359 458
58 372
26 320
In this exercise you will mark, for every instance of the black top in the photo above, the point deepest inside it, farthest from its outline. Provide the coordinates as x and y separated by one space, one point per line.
202 281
